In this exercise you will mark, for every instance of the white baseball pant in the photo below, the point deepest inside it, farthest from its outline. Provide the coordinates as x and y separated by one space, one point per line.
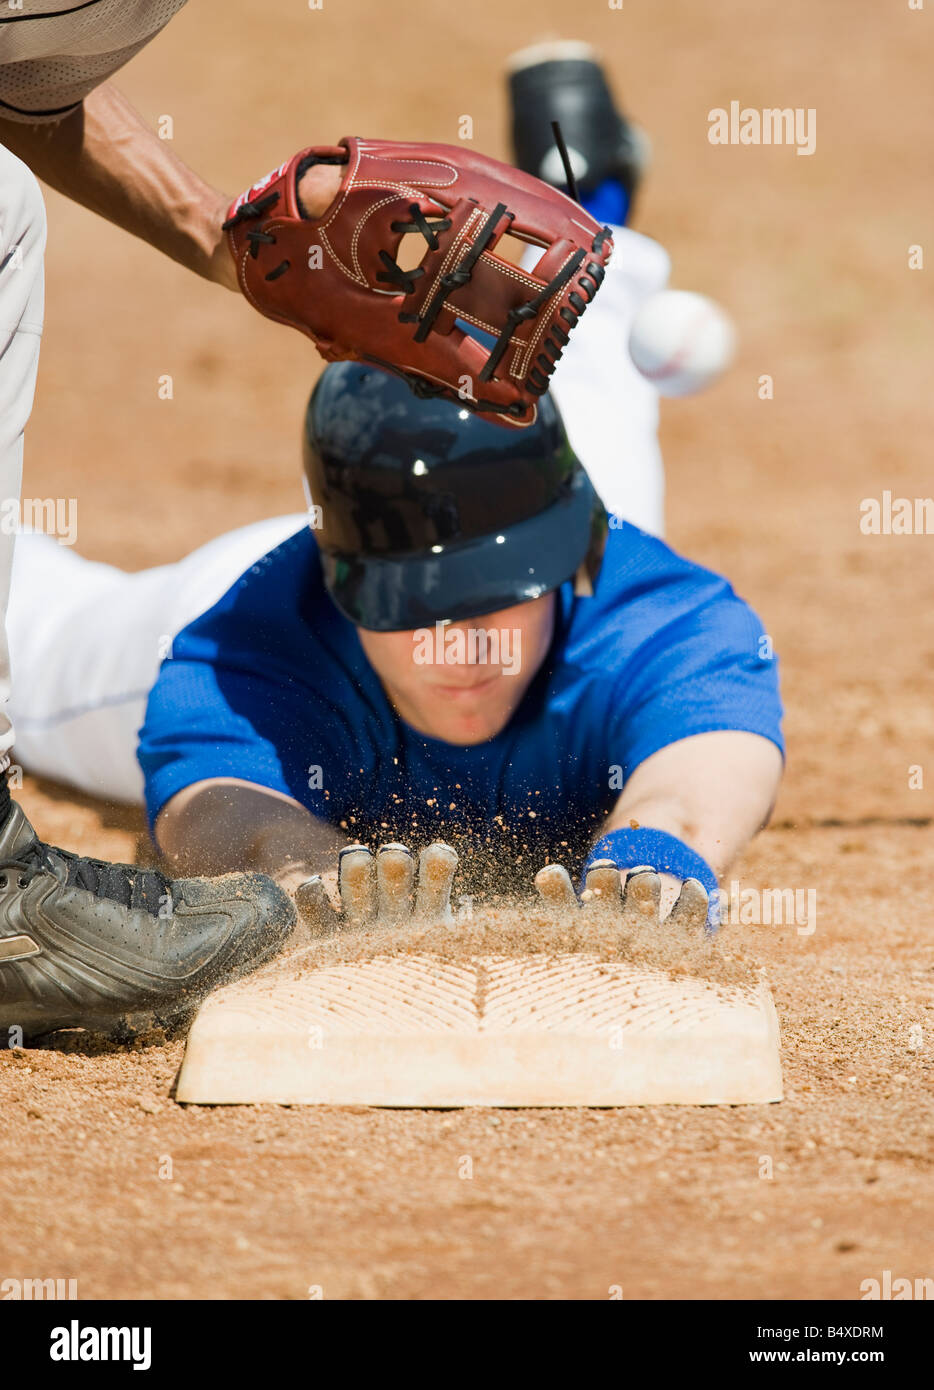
609 409
22 289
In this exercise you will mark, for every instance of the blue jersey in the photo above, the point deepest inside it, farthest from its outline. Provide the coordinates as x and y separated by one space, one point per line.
271 685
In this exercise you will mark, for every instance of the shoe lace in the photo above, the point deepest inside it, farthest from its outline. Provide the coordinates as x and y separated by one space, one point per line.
124 884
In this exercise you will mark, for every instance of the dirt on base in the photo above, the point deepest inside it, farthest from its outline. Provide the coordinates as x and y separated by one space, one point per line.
105 1178
526 929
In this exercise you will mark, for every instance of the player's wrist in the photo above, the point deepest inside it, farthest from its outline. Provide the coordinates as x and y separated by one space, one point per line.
630 848
221 267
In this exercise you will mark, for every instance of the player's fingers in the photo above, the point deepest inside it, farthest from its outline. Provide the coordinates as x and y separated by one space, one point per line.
556 889
314 908
602 888
642 897
395 879
356 876
437 865
690 910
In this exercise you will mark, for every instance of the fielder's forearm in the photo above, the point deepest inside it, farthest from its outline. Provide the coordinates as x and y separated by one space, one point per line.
106 158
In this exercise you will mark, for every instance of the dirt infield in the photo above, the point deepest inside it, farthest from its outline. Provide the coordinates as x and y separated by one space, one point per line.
804 1199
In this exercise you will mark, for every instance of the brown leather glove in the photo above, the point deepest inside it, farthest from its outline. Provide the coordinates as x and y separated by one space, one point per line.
336 278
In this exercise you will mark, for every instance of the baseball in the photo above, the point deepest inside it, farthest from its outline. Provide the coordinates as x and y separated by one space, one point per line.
681 341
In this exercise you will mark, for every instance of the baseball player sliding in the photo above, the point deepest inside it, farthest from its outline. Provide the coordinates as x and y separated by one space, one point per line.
461 654
315 245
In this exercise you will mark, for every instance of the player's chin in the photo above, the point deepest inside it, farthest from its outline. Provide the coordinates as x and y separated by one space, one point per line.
465 720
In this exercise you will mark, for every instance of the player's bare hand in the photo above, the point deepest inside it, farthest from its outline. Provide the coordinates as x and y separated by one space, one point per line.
633 896
385 888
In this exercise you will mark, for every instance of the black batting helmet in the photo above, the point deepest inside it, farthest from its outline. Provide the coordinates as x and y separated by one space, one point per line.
424 511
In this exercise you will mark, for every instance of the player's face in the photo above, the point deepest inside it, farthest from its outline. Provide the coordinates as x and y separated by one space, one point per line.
462 681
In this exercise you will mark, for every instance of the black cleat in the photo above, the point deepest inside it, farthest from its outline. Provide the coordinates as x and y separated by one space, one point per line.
564 82
86 944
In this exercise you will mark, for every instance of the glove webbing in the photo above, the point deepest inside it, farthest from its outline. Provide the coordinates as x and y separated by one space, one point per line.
461 275
538 379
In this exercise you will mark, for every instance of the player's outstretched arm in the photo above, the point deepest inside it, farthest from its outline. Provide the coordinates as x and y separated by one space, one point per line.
226 825
713 791
685 813
106 158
